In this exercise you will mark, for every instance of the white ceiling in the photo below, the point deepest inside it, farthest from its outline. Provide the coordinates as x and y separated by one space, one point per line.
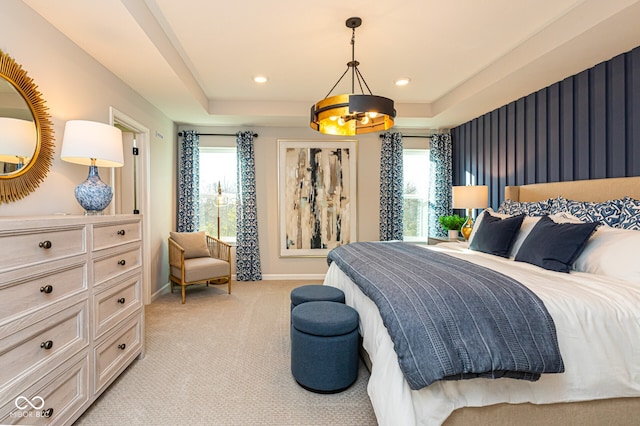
195 59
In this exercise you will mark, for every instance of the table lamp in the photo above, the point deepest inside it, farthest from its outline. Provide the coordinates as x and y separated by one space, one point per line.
470 197
17 140
96 145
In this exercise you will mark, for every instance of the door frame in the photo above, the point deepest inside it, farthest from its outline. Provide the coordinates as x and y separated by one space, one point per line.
144 178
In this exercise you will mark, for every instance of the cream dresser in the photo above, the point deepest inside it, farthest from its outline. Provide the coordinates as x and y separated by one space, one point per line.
71 312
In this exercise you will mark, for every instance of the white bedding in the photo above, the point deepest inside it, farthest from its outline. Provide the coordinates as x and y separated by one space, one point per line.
598 326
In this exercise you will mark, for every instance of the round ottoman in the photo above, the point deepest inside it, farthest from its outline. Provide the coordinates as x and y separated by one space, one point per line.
324 346
315 293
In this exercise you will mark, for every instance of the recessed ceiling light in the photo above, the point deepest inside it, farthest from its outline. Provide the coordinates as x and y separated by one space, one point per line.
260 79
403 81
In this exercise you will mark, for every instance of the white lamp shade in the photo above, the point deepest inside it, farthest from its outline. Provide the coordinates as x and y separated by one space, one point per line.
87 140
17 139
470 197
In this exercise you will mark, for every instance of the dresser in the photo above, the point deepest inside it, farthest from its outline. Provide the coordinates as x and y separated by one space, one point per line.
71 312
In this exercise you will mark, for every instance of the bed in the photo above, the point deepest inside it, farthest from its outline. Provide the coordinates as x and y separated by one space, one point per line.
601 352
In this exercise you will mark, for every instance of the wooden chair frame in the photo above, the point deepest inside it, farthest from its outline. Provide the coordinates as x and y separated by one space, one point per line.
218 249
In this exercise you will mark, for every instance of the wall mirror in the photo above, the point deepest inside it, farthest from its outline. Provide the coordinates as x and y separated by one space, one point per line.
26 133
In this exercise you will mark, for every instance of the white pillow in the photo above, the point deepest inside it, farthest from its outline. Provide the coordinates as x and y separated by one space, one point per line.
527 225
611 252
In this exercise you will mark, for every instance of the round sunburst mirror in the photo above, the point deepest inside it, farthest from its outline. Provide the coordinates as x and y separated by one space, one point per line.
26 133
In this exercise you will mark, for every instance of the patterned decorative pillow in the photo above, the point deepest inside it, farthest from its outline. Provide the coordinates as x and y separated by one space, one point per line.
630 215
607 212
530 208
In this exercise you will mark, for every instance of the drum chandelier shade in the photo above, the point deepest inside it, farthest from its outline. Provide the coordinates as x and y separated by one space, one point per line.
352 114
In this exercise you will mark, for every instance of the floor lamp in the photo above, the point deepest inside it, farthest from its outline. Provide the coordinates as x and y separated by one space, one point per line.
470 197
221 200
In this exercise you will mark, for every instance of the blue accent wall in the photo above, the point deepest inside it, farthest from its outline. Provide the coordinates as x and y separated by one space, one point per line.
586 126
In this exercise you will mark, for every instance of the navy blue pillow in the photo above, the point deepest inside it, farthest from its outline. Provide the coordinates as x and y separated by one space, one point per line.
555 246
496 235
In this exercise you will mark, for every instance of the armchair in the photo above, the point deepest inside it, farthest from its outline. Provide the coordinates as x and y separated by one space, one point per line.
197 258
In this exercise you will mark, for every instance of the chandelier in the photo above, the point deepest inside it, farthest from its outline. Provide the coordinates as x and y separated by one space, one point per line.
352 114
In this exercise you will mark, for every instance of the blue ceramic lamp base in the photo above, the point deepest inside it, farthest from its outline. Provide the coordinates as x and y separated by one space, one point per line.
93 194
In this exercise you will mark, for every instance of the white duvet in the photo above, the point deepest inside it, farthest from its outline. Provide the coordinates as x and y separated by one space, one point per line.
598 326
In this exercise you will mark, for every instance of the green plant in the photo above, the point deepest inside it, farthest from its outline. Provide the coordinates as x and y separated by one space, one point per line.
452 222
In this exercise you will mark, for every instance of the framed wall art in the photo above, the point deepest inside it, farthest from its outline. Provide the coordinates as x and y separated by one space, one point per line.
317 196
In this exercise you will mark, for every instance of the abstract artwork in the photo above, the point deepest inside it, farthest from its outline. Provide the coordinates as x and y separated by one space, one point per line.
317 196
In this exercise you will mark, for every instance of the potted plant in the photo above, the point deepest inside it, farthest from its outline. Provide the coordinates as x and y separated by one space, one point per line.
452 224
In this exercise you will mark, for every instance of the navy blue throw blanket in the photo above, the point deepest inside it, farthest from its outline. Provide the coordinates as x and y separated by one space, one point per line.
449 318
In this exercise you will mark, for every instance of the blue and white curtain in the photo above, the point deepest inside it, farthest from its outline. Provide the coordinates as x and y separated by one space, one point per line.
391 188
440 182
247 250
188 182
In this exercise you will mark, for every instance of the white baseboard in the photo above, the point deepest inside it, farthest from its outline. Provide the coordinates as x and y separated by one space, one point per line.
163 290
266 277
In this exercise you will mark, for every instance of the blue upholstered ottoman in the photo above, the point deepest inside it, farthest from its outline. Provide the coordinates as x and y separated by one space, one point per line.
315 293
324 346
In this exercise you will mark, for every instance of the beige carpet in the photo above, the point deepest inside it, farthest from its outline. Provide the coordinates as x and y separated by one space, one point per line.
223 360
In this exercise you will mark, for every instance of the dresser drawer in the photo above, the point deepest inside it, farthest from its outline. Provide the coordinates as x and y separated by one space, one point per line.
105 236
22 248
35 341
113 265
53 399
116 303
116 351
41 289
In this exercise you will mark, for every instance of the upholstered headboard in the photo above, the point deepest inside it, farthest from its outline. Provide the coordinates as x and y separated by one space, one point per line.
580 190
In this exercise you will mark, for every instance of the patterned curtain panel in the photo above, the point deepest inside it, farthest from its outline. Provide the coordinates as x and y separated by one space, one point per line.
188 182
391 187
247 251
440 183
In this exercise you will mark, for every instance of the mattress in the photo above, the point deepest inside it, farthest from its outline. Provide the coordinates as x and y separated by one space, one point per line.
598 325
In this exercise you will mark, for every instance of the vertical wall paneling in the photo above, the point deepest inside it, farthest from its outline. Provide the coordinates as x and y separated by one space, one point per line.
530 138
519 142
553 133
487 151
582 142
566 132
541 137
495 161
511 144
586 126
597 121
633 111
480 149
616 117
502 149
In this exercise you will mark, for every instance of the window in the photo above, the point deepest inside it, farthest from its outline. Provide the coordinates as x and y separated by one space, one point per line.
416 193
218 166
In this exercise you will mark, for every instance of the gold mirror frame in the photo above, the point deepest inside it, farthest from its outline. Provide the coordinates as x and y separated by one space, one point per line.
24 181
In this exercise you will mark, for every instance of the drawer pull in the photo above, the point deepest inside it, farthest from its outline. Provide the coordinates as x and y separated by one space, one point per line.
46 345
122 346
46 289
121 232
122 262
121 300
45 244
47 413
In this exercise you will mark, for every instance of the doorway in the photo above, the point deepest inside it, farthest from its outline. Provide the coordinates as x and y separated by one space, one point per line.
131 185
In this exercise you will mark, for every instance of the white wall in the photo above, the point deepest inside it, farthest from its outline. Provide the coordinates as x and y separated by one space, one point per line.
266 152
75 86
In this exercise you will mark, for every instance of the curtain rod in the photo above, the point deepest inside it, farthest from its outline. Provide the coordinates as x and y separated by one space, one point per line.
255 135
411 136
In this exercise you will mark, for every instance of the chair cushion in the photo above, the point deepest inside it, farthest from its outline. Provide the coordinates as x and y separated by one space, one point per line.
193 243
202 269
